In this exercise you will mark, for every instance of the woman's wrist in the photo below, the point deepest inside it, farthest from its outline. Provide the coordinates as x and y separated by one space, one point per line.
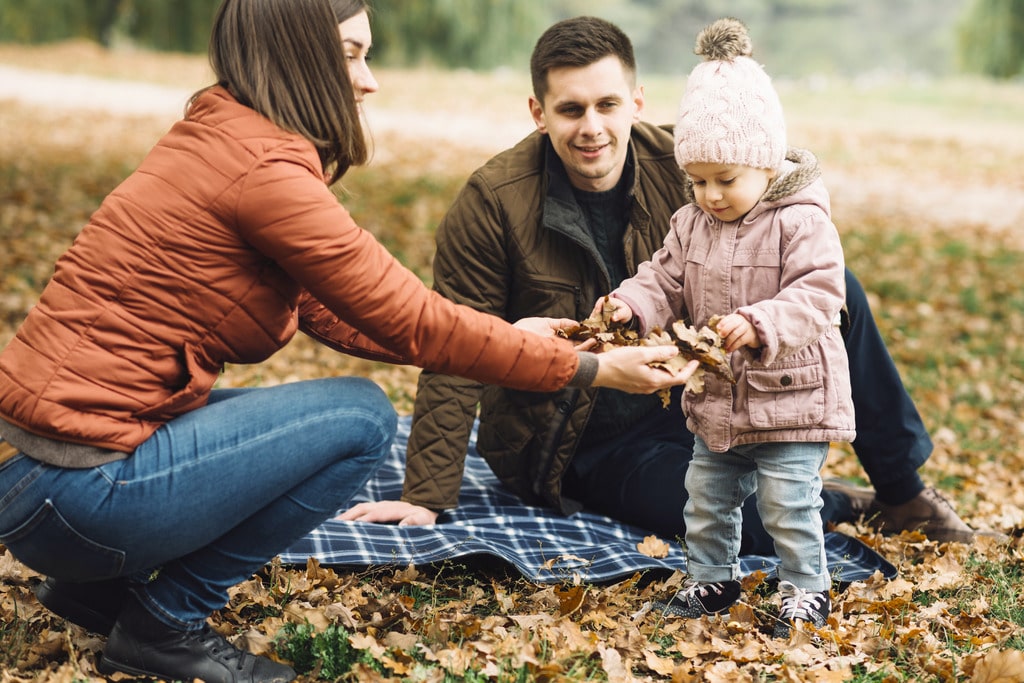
586 371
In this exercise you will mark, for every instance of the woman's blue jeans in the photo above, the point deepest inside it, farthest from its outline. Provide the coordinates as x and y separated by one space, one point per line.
207 500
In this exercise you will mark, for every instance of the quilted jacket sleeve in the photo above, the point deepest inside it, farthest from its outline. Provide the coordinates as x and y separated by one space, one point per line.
469 268
287 213
321 324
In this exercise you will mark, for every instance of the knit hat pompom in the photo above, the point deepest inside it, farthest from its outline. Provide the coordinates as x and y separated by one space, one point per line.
723 40
730 113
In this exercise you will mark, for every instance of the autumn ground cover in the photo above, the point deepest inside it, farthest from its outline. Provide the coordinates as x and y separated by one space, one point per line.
928 193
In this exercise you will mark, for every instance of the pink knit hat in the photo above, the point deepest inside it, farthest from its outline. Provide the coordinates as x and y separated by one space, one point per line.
730 113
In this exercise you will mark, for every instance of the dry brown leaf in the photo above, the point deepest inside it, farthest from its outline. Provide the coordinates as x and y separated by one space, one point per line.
611 662
703 345
1000 666
570 599
652 546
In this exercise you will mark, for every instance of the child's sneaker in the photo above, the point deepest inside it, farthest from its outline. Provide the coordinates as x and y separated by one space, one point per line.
697 599
799 606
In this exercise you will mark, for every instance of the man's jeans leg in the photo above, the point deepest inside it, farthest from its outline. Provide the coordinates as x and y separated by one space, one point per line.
892 441
208 499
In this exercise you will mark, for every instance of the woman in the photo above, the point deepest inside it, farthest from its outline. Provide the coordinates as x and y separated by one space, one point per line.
138 490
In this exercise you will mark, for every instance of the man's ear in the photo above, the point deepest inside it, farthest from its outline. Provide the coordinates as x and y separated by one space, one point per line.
537 112
638 103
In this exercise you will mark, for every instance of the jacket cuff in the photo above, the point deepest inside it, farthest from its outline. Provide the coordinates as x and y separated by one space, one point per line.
586 371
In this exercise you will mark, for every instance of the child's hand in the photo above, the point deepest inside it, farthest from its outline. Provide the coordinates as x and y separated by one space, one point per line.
736 331
621 313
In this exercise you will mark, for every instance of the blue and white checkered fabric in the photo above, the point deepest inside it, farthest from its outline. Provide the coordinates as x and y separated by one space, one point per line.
542 544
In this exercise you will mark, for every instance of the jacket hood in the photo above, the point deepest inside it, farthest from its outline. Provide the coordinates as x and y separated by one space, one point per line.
798 182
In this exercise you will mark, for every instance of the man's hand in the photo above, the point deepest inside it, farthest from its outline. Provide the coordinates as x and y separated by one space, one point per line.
390 511
545 327
626 368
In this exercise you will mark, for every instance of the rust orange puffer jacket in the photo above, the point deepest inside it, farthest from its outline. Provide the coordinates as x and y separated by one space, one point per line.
215 250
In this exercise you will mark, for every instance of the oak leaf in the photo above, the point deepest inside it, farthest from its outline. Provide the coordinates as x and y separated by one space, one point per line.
703 345
1000 666
652 546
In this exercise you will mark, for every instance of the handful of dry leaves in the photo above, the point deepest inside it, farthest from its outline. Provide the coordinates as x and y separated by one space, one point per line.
704 345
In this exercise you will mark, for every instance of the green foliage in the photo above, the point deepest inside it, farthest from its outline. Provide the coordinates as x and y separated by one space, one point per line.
14 640
183 25
991 38
999 583
793 37
458 33
180 26
329 652
34 21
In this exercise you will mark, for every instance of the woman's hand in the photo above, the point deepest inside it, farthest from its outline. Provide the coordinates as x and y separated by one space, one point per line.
626 369
389 511
545 327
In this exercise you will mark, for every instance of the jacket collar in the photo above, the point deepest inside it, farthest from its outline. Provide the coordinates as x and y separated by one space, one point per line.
561 211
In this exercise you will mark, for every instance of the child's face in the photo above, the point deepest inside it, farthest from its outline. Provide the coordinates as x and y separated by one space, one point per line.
727 192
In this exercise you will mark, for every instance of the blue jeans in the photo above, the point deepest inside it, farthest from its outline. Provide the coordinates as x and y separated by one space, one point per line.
207 500
785 476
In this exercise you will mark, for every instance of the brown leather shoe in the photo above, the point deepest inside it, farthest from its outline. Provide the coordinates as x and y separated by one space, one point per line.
929 512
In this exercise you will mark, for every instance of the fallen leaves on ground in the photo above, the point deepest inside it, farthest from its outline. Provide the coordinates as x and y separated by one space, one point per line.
945 291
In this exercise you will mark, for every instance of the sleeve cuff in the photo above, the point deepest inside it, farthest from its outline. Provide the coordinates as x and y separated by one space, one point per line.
586 371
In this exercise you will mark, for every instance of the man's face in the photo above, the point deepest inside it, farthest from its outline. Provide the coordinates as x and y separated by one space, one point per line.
588 113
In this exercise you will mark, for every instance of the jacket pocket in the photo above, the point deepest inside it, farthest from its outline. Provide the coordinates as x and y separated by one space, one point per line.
789 395
193 395
547 296
49 545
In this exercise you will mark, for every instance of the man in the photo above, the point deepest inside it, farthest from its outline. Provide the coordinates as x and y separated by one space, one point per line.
547 227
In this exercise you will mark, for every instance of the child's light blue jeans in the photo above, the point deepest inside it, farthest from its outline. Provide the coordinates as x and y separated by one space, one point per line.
788 484
207 500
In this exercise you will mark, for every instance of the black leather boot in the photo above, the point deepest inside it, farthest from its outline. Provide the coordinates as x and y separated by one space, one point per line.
94 606
142 645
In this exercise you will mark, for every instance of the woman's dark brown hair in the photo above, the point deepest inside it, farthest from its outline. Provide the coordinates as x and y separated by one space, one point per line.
346 9
284 59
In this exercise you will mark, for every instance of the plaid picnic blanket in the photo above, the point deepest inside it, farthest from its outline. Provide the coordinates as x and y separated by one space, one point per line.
542 544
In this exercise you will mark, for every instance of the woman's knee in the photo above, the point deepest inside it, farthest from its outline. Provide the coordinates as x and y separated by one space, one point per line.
367 396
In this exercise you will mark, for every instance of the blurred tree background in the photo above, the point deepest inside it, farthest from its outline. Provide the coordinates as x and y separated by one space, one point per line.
799 38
